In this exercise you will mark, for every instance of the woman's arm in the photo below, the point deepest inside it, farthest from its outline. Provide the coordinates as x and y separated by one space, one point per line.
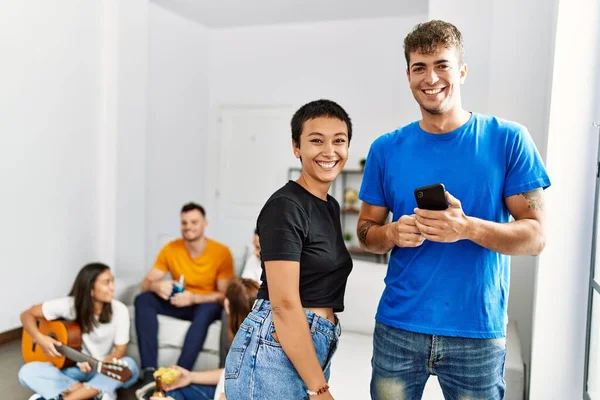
289 318
28 319
119 352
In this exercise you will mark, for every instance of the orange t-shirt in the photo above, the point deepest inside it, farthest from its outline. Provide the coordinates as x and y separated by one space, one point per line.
200 274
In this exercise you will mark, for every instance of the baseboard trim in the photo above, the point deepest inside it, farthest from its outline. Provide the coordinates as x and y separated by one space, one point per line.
11 336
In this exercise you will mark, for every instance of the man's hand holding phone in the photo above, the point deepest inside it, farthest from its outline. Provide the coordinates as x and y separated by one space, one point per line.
404 232
446 226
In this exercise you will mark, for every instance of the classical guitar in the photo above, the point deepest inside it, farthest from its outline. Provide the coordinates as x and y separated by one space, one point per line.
69 334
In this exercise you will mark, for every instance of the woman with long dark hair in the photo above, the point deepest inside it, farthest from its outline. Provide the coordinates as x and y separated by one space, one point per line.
208 385
104 324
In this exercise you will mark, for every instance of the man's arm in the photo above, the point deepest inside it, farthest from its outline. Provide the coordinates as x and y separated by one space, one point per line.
377 237
524 236
213 297
153 282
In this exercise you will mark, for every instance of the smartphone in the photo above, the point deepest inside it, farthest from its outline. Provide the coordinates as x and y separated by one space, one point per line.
432 197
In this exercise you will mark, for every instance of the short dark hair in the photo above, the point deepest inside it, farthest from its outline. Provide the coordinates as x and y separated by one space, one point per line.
427 36
191 207
316 109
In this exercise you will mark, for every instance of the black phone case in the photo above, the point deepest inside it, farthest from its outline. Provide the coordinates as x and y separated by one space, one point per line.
432 197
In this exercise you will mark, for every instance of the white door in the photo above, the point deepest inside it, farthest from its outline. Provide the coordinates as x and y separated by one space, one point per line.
255 154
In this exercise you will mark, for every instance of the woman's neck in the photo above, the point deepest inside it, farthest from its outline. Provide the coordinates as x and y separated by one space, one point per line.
317 189
98 306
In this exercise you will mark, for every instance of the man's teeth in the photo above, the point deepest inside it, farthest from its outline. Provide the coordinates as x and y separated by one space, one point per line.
434 91
327 164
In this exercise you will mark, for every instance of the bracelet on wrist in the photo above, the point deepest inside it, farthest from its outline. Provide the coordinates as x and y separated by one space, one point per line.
322 390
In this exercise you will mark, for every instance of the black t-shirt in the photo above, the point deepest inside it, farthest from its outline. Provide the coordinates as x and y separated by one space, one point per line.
295 225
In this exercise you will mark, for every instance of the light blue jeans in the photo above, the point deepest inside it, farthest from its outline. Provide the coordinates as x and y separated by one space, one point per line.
466 368
257 368
48 381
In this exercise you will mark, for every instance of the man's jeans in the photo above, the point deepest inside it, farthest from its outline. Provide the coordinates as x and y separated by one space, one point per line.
466 368
147 308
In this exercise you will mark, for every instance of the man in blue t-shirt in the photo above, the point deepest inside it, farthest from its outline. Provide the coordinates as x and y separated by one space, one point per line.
443 311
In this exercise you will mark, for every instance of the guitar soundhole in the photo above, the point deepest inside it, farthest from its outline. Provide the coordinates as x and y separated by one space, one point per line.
34 344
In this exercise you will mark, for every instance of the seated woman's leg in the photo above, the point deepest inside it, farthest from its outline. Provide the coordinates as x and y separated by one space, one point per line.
45 379
135 372
194 392
108 385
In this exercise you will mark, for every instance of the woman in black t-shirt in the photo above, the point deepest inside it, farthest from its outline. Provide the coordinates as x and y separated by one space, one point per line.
283 349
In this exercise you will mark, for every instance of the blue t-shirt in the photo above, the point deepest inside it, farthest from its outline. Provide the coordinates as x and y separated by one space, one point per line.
451 289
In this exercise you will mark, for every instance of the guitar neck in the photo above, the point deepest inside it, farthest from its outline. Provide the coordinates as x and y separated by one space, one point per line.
77 356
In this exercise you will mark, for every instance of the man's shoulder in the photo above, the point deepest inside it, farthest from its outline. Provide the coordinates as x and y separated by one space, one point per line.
174 245
494 123
219 248
390 138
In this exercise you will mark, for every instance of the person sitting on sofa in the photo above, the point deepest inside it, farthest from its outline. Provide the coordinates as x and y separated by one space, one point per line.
252 268
104 323
208 385
206 267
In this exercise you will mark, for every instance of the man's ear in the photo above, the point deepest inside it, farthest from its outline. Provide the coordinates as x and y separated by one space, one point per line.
463 72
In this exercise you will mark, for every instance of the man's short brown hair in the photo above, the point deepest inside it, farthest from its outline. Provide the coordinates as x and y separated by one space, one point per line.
427 36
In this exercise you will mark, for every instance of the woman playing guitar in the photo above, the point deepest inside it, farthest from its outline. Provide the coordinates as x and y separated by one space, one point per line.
104 324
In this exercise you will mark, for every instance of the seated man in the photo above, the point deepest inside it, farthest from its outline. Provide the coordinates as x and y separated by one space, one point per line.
207 268
252 268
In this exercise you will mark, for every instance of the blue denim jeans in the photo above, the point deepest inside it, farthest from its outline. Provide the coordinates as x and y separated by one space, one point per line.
466 368
147 308
48 381
194 392
257 368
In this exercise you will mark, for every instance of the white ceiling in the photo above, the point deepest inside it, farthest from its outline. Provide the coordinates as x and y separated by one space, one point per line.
233 13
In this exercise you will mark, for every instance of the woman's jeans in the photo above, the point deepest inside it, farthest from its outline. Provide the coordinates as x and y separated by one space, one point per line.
466 368
48 381
257 368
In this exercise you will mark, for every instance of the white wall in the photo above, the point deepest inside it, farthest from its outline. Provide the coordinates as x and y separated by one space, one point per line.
359 64
562 280
519 89
48 154
178 105
131 111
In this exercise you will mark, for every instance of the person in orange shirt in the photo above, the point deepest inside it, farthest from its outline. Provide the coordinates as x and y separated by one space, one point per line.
206 267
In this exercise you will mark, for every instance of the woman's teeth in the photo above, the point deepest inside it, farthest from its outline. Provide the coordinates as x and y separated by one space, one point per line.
327 165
